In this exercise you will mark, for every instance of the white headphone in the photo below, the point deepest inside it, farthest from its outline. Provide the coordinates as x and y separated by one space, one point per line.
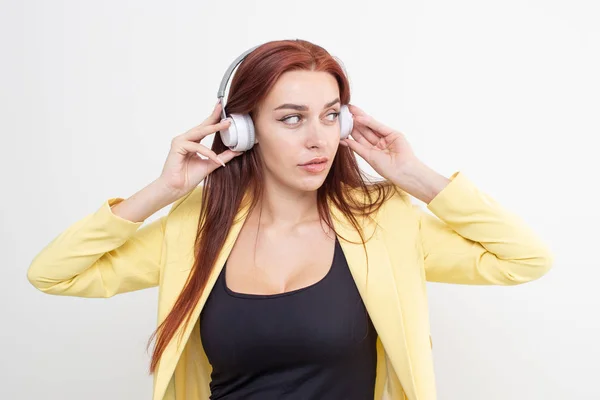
240 136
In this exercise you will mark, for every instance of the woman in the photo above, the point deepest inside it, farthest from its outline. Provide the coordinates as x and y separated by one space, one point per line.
282 280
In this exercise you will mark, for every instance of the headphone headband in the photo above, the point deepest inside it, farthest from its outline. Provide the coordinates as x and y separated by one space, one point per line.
229 71
227 75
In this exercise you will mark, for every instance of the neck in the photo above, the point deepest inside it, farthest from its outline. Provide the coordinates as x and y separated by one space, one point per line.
283 207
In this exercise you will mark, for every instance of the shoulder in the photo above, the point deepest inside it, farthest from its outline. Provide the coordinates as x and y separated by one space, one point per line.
385 192
382 202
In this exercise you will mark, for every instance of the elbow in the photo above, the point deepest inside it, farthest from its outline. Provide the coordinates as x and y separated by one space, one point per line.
532 268
38 277
34 277
543 263
34 280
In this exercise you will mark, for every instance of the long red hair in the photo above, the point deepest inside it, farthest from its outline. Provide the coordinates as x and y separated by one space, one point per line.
224 188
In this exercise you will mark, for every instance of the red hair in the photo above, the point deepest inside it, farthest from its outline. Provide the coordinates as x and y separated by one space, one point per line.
224 188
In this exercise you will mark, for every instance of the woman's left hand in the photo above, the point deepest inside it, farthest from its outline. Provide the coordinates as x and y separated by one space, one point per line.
384 148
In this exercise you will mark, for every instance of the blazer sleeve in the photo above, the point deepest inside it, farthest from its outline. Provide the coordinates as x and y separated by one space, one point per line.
101 255
475 241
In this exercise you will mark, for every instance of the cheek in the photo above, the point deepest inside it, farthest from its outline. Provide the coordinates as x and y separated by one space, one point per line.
283 153
277 146
278 137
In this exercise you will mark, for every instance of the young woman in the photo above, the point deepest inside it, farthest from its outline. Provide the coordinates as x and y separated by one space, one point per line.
288 274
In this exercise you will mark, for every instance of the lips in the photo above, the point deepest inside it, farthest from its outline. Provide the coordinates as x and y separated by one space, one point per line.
316 160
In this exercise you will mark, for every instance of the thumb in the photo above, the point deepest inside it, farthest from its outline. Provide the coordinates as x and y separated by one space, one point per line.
228 155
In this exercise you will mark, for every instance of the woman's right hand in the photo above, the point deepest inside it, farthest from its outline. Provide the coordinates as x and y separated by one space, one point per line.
184 169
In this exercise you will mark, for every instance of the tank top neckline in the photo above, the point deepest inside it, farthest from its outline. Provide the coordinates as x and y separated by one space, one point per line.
232 293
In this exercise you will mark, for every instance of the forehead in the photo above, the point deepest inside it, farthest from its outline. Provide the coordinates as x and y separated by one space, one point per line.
311 88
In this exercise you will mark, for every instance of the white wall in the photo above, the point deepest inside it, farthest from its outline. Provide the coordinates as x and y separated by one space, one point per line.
507 92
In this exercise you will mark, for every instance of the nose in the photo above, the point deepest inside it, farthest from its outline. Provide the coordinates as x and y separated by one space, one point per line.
316 135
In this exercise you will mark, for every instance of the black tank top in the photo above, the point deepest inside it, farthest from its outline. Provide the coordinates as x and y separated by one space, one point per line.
316 342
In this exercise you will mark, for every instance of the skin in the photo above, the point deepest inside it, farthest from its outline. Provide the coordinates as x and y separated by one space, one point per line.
290 249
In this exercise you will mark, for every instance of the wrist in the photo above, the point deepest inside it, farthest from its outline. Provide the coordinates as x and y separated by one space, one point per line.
145 202
420 181
162 193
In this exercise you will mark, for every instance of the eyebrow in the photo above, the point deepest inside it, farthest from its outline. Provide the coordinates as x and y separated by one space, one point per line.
300 107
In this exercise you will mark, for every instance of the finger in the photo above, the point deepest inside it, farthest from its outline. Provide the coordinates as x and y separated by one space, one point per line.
193 147
200 132
359 137
376 126
215 115
356 111
360 149
362 118
369 136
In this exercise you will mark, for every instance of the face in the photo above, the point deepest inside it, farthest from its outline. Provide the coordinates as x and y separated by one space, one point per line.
296 123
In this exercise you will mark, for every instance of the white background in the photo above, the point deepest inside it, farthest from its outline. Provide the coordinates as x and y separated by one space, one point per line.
507 92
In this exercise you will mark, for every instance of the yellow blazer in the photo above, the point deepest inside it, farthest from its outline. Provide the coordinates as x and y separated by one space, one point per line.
472 241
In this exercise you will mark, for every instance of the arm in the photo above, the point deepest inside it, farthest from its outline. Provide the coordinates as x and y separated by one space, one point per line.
475 241
105 254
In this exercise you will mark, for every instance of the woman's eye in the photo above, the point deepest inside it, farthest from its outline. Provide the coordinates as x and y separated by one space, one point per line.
289 120
286 119
335 114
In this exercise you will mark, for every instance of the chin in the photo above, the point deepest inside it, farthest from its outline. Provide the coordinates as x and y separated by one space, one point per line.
311 183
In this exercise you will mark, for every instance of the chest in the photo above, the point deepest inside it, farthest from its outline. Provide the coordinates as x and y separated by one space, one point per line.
322 321
272 262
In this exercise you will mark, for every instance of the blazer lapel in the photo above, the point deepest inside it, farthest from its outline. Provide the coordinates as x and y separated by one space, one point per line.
378 289
174 349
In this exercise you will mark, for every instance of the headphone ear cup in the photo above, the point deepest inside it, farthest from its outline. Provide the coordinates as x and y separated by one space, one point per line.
346 122
240 135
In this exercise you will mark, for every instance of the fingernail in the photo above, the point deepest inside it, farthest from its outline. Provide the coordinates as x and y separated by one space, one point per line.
221 161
